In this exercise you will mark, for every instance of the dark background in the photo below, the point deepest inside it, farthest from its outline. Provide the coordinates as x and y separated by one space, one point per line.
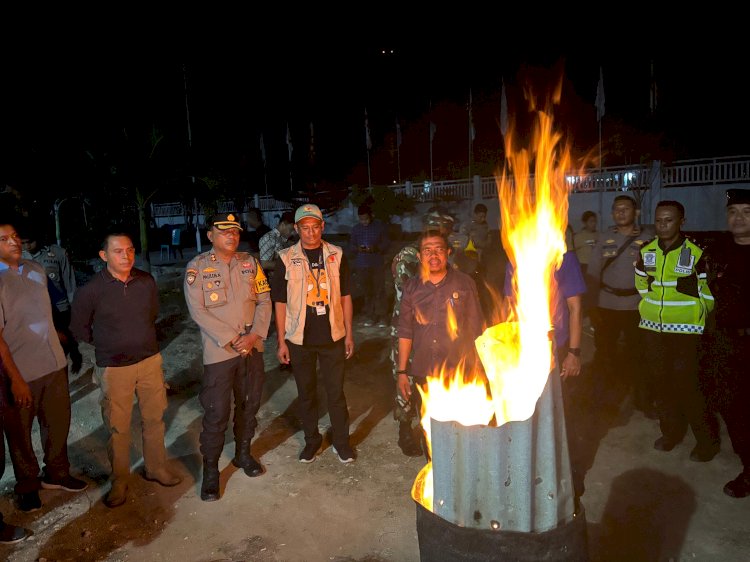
68 102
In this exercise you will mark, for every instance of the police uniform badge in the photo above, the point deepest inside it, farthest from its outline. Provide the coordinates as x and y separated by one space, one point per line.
190 276
649 259
261 281
214 297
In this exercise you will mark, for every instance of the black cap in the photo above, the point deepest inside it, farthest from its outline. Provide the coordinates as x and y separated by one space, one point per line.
225 221
738 197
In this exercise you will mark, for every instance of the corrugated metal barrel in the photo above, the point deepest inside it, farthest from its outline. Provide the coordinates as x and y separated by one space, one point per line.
509 485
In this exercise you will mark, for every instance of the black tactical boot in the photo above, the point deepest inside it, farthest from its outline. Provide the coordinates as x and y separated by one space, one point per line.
210 485
244 460
409 446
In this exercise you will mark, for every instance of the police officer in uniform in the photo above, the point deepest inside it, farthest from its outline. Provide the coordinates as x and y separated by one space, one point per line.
726 343
228 296
672 279
61 285
614 312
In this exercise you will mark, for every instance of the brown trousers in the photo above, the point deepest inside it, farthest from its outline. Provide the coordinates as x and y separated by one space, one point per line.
145 380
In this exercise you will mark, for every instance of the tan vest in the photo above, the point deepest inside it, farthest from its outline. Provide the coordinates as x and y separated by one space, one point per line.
297 269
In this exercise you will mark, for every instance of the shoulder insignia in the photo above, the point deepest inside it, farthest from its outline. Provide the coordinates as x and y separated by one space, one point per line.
190 276
213 257
247 264
261 281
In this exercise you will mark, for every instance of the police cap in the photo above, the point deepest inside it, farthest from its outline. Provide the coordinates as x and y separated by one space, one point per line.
225 221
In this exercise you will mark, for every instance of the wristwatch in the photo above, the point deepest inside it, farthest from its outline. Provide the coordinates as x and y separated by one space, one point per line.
575 351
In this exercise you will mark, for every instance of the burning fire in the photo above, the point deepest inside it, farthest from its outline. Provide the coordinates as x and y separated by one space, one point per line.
517 354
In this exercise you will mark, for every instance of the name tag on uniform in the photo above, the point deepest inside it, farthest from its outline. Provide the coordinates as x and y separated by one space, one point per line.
320 309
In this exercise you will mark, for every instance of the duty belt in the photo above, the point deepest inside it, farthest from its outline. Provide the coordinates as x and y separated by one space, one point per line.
619 292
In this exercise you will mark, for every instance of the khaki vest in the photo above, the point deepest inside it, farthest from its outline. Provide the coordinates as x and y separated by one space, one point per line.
297 269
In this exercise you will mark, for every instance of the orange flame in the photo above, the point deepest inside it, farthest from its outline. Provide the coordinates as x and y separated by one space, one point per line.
516 354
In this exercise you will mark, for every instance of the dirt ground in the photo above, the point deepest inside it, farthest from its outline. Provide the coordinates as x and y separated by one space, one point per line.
640 504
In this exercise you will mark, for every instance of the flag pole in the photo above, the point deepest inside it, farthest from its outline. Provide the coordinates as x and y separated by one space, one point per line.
368 146
432 134
471 133
263 156
369 172
398 149
290 148
600 108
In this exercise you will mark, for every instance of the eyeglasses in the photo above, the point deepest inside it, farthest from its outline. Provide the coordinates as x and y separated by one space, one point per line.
439 251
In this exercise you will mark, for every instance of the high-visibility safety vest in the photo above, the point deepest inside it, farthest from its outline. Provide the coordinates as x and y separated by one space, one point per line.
672 282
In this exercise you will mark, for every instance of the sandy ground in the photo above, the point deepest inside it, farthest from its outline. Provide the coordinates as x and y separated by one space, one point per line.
640 504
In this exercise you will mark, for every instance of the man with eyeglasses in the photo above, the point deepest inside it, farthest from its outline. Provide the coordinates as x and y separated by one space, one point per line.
228 296
440 319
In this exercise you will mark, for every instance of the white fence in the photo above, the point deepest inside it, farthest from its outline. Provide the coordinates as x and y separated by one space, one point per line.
701 182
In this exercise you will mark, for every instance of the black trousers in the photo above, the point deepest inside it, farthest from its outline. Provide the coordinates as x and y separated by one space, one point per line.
371 281
725 379
673 359
613 366
51 406
242 377
331 357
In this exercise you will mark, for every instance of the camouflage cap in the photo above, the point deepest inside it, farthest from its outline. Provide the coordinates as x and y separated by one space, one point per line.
437 216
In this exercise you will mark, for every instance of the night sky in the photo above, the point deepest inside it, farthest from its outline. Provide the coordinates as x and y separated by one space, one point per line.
60 102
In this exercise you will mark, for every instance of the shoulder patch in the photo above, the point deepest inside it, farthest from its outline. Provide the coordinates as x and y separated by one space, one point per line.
190 275
261 281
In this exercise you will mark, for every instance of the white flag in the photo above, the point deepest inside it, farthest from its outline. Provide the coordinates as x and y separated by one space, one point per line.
433 128
472 130
503 112
262 149
289 141
599 103
368 140
398 133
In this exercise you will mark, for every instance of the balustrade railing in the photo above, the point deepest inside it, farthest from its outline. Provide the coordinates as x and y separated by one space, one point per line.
724 170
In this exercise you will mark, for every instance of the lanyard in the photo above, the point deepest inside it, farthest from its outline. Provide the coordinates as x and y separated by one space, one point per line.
318 270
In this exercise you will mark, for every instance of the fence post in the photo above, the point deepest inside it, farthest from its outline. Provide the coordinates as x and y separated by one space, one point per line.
476 188
654 193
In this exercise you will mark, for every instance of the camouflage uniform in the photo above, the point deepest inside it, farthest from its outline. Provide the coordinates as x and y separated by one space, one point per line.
404 266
